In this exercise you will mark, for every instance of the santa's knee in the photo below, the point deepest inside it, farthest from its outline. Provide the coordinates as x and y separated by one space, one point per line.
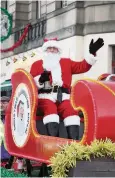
72 124
52 124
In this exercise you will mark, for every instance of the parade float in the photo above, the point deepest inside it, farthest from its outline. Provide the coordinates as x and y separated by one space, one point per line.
92 155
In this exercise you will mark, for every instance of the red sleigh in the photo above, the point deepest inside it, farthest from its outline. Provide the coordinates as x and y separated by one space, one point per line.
96 100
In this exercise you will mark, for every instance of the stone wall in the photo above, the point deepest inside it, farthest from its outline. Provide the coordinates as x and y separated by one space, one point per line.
79 18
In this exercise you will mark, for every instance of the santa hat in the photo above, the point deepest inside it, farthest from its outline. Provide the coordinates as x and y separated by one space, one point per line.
103 76
51 43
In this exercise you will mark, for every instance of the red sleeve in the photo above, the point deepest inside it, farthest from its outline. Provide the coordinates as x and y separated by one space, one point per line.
36 68
80 67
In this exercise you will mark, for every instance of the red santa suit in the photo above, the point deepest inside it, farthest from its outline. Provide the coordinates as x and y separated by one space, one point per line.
60 75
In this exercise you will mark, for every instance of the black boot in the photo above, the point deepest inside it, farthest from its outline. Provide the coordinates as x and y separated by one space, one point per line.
53 129
73 132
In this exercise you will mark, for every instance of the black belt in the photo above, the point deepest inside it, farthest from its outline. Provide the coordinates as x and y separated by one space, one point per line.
55 89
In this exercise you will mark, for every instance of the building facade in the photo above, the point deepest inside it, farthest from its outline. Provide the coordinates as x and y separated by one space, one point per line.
74 23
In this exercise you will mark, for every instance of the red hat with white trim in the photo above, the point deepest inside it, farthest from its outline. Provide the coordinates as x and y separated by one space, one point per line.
103 76
51 43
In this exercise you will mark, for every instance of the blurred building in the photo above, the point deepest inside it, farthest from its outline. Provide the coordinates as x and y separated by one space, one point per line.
75 23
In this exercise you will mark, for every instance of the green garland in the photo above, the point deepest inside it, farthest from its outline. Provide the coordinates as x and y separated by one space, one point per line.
69 154
10 25
9 173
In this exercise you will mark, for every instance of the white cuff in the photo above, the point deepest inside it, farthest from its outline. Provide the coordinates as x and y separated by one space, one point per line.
72 120
51 118
91 59
36 79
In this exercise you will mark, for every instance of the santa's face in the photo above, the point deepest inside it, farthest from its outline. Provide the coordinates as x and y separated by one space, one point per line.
52 50
51 58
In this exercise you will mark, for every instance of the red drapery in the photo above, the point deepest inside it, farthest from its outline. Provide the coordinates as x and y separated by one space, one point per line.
19 42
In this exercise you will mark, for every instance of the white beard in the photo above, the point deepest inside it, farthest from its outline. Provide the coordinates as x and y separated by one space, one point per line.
51 62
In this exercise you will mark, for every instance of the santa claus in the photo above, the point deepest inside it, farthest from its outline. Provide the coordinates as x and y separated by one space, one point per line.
53 76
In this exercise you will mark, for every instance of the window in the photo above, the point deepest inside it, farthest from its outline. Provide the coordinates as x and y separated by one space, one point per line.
38 9
4 4
35 11
64 4
113 59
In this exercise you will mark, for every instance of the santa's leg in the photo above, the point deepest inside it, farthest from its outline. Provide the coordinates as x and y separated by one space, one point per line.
51 118
51 122
72 130
71 119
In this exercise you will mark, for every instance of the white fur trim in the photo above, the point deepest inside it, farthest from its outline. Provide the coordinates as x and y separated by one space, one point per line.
91 59
53 96
72 120
50 96
65 96
51 43
51 118
36 79
56 76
